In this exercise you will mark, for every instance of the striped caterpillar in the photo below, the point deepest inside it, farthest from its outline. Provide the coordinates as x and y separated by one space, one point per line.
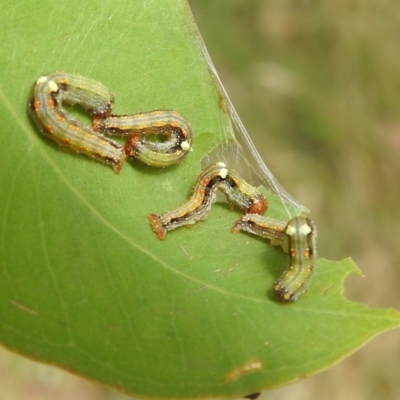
215 177
47 110
298 238
169 124
46 107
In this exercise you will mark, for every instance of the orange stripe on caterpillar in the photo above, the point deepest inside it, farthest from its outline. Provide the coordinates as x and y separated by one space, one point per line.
215 177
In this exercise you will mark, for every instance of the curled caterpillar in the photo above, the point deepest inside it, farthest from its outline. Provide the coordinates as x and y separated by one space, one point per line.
170 125
46 107
215 177
298 238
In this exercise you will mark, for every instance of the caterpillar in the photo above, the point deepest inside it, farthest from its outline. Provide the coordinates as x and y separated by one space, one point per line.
165 123
46 107
215 177
298 238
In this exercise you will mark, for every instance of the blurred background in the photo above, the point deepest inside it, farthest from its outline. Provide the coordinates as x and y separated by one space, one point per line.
317 85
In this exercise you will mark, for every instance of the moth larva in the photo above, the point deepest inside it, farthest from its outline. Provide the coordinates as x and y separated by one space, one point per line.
265 227
298 238
214 177
165 123
46 107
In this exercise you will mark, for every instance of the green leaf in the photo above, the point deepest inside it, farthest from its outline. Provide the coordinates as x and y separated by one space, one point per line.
84 282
